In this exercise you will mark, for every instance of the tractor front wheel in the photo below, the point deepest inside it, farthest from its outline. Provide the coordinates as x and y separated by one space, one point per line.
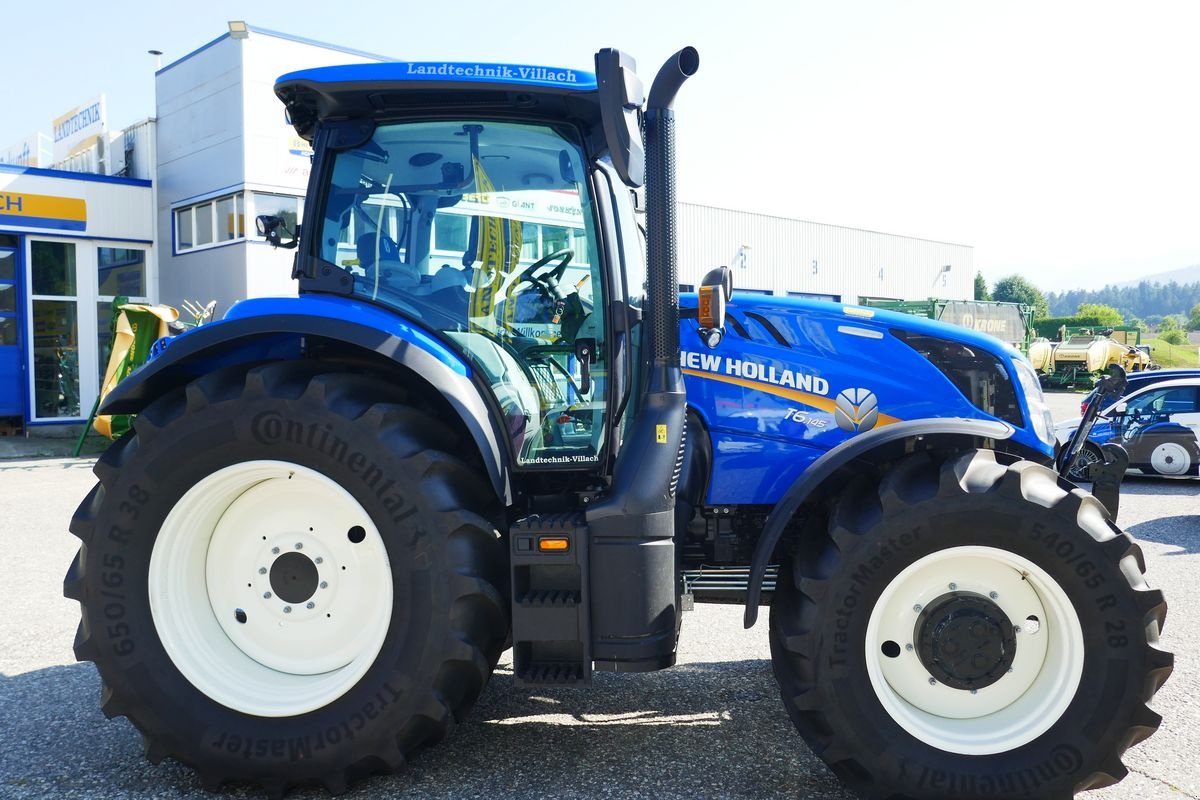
1089 456
963 629
285 578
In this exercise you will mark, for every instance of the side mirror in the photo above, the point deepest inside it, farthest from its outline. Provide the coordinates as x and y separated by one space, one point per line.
715 292
621 98
1120 409
271 228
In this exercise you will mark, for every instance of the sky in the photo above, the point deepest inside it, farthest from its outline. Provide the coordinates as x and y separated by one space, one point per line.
1061 140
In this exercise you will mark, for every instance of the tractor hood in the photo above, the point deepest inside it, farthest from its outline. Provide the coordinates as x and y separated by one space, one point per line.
793 378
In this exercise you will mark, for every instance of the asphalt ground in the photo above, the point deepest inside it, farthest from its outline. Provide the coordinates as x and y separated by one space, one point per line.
711 727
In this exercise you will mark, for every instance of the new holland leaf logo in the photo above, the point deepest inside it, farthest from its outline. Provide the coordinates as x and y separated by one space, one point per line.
857 410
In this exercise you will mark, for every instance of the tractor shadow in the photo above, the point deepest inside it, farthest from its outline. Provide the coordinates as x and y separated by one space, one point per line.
715 729
1182 531
54 742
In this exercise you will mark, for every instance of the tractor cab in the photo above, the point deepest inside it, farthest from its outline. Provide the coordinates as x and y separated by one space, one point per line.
477 215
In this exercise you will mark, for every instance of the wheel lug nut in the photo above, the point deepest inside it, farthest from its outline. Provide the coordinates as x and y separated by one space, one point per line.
908 647
324 584
299 546
262 570
275 551
287 609
319 560
1016 628
310 604
993 595
974 691
953 586
917 608
933 681
266 595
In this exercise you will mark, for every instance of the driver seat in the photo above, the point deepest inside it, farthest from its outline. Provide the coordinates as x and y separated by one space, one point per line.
393 272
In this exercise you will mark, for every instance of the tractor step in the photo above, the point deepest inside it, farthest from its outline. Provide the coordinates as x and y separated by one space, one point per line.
550 615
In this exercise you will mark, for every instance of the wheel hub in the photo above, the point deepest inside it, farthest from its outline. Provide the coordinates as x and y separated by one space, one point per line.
1170 458
294 577
965 640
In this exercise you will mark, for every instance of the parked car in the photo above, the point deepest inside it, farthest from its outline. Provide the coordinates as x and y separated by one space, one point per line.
1158 425
1140 380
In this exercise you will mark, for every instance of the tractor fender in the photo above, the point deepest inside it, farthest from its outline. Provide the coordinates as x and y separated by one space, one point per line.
860 450
276 328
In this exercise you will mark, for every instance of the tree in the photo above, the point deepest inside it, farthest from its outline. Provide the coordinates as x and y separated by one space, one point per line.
1169 323
1139 324
981 290
1173 336
1107 315
1015 289
1193 323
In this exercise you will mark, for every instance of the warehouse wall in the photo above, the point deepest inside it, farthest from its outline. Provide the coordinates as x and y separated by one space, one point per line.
794 256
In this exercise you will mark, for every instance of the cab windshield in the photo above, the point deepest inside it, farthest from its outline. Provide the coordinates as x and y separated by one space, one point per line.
484 231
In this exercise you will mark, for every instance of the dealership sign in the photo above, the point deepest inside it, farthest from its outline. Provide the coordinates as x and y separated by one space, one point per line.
78 129
20 209
32 151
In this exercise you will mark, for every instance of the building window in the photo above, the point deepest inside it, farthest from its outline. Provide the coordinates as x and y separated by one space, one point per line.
184 238
229 220
284 206
121 271
204 224
832 298
450 233
211 223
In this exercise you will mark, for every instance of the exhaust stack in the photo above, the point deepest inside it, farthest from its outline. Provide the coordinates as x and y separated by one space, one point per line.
661 224
635 619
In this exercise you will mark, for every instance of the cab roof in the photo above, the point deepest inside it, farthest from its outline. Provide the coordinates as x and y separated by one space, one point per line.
399 88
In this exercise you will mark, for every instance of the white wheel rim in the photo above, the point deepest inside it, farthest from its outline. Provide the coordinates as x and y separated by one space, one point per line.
1170 458
238 541
1024 702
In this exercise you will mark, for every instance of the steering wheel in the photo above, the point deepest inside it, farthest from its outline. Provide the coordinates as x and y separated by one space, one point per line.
538 274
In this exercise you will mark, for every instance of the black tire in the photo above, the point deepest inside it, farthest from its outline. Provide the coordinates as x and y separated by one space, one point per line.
922 507
447 625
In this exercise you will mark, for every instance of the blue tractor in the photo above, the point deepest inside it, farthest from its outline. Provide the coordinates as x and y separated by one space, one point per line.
490 420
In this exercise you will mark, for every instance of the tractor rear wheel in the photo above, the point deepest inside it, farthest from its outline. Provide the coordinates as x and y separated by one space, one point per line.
966 629
285 578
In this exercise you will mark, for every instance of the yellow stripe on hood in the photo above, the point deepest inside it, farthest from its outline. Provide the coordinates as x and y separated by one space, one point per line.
808 399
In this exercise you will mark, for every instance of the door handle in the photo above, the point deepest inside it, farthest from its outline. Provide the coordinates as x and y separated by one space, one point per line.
585 354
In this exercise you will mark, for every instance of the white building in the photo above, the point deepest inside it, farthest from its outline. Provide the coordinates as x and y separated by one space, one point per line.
227 154
781 256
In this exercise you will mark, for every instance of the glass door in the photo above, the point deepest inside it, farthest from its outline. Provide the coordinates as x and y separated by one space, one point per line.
54 332
10 329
